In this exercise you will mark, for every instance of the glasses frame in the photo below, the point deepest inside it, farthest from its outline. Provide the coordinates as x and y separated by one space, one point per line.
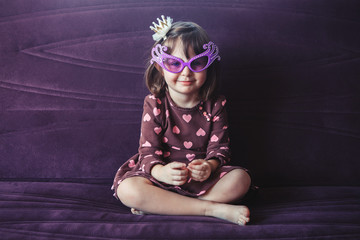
159 55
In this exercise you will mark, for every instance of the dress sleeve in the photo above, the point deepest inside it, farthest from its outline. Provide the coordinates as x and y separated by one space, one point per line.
150 145
218 147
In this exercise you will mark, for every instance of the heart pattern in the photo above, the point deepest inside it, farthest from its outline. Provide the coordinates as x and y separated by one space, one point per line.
176 130
131 163
146 144
158 152
190 156
214 138
200 132
188 144
201 193
175 135
157 130
156 111
147 118
187 117
216 118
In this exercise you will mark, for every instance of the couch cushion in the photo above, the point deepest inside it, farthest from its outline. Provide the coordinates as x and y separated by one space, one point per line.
55 210
71 85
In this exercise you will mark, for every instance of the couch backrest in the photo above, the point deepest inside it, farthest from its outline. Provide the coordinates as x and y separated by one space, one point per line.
71 85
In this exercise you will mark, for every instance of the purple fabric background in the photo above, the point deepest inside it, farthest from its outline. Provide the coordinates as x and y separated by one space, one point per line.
71 94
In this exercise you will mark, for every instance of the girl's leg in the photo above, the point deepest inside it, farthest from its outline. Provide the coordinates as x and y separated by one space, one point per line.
233 186
140 193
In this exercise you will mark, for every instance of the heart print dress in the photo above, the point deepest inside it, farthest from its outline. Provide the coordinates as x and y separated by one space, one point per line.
171 133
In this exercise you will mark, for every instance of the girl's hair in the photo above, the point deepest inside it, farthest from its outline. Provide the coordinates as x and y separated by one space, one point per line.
191 35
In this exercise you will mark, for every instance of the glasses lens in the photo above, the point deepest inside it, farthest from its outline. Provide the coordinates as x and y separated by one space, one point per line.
172 65
199 64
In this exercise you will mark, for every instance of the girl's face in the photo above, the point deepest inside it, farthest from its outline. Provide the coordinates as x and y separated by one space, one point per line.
185 83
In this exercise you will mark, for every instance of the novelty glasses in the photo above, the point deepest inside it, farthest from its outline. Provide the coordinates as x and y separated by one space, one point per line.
175 65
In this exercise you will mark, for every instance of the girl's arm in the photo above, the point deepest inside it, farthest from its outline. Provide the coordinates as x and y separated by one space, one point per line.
151 149
218 151
214 164
218 146
150 145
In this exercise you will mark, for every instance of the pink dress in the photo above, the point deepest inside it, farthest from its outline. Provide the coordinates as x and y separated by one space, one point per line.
170 133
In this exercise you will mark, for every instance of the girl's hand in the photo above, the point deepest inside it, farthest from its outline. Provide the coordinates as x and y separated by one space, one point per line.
174 173
199 170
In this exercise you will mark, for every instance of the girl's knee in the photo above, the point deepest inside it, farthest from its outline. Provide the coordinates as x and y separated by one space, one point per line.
245 177
240 177
130 191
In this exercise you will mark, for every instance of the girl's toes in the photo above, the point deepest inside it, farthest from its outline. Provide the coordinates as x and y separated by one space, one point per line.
243 220
137 212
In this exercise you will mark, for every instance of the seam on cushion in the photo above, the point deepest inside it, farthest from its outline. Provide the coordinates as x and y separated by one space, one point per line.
52 235
70 94
60 200
203 4
100 238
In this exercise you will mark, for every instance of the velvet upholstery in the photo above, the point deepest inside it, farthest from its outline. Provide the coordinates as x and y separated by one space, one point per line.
71 94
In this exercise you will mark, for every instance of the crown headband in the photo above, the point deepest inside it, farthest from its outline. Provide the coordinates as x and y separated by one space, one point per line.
162 28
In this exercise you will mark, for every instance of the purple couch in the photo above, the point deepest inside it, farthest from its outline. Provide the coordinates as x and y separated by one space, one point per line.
71 94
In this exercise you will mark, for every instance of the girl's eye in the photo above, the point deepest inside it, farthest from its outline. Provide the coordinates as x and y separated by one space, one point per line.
199 63
172 65
172 62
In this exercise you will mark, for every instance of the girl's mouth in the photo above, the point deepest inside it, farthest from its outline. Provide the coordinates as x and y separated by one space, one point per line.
186 83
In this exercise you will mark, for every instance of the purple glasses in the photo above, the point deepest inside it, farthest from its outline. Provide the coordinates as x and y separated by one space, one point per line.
175 65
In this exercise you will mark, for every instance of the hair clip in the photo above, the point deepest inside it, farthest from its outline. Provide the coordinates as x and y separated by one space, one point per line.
162 28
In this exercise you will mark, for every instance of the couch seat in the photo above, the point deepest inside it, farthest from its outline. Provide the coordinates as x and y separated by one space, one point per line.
70 210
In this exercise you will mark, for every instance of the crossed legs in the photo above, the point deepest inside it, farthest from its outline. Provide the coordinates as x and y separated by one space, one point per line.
140 193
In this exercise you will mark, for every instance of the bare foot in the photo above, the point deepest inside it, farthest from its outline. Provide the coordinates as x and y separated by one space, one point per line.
233 213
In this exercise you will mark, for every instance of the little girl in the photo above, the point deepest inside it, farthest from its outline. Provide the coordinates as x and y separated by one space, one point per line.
181 167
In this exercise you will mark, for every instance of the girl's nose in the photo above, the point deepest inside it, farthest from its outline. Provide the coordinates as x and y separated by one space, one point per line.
186 71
